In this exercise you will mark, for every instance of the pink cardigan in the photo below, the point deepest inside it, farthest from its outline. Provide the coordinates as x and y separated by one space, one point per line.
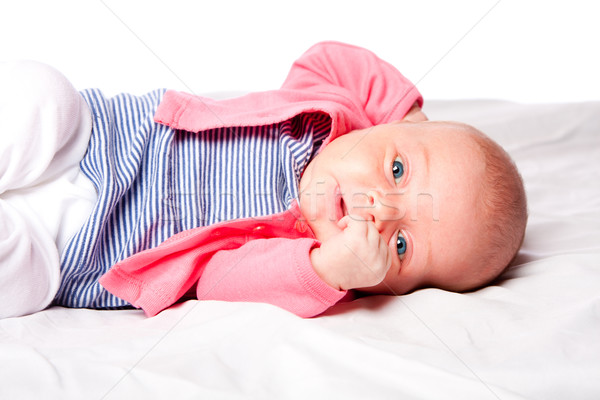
263 259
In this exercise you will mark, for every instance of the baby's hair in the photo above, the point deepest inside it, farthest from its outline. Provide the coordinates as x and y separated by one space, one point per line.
504 210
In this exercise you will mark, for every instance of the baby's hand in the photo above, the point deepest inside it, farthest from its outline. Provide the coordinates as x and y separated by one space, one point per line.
356 257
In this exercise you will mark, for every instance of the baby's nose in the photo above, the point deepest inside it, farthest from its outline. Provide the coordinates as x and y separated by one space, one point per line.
382 208
387 207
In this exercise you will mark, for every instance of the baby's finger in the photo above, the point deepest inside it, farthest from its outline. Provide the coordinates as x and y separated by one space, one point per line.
350 219
343 222
355 218
373 235
356 225
385 250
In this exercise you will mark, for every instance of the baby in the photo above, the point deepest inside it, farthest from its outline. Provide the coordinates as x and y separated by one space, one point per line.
420 204
335 182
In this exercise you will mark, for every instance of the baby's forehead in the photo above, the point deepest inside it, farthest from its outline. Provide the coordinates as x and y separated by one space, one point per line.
447 130
436 137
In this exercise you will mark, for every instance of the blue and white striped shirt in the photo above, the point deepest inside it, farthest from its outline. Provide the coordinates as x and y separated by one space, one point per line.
153 182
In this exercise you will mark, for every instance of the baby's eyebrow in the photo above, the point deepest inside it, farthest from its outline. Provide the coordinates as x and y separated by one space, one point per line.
424 172
429 252
426 156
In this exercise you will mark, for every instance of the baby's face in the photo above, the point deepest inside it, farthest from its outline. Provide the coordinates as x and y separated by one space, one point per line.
418 183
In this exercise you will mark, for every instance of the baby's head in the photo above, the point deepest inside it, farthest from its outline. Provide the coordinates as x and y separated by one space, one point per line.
447 200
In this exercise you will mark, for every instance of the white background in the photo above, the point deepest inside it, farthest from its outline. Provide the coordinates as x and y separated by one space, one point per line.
525 51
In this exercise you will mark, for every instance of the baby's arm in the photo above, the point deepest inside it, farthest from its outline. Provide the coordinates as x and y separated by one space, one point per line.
356 257
277 271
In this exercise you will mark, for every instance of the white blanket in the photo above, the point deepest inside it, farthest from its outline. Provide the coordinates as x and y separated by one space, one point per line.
534 334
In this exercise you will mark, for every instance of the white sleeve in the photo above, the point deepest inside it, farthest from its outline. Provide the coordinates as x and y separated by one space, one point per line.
44 131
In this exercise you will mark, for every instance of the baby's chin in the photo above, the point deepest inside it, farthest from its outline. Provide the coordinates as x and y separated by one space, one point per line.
324 217
322 226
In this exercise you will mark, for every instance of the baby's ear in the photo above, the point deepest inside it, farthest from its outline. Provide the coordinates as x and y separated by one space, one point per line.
415 114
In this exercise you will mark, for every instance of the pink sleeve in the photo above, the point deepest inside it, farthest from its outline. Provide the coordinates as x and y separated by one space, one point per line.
275 271
379 88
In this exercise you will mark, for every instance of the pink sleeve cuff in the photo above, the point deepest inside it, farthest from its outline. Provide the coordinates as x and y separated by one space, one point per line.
311 281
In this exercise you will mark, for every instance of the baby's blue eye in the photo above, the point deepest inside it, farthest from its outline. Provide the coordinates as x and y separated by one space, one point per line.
400 245
397 169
